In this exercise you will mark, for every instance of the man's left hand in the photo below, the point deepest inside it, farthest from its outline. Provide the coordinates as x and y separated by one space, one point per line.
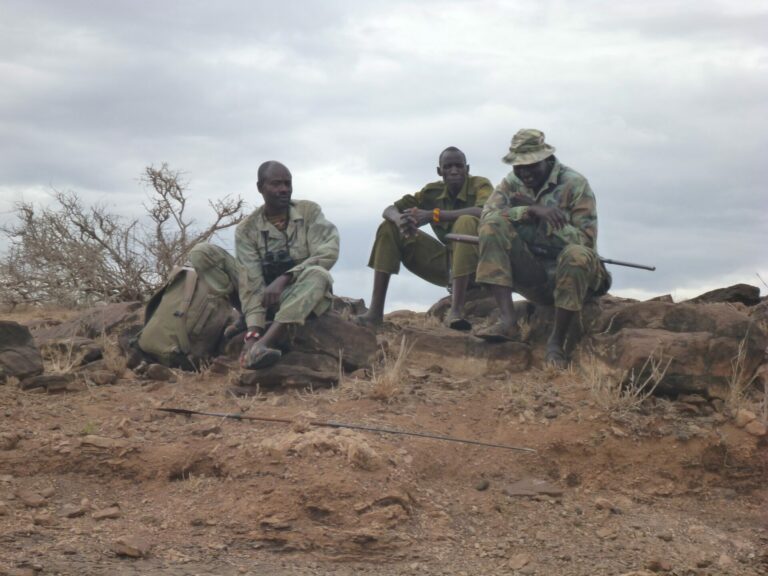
273 292
420 217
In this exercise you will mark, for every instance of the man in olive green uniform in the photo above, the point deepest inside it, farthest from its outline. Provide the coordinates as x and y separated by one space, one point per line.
538 237
453 205
284 251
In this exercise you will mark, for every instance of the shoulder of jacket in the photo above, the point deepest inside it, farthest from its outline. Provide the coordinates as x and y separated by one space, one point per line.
247 223
436 186
306 206
570 175
476 182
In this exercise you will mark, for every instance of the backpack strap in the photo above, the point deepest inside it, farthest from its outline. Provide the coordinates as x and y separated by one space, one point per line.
190 281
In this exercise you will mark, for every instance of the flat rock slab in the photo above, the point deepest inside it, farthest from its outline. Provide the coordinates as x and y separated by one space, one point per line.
131 546
744 293
51 383
288 376
19 355
461 353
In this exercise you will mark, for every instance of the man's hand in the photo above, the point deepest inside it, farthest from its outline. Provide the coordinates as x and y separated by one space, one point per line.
520 199
549 214
406 223
273 292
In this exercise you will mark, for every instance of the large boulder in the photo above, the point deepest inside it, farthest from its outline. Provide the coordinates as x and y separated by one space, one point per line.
19 356
708 346
314 354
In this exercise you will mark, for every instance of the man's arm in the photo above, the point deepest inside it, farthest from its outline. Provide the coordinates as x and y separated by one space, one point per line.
323 242
251 280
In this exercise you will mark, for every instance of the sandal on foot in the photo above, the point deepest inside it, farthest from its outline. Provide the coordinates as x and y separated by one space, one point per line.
261 357
498 332
556 357
457 322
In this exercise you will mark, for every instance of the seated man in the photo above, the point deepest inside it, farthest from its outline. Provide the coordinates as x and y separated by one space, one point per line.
538 237
284 251
451 205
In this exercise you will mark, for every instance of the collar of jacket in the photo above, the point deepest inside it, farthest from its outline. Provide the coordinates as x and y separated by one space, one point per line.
463 193
293 216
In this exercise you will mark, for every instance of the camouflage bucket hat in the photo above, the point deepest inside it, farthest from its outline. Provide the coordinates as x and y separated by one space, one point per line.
528 147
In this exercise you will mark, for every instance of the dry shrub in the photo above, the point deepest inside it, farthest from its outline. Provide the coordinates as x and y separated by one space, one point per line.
623 391
71 254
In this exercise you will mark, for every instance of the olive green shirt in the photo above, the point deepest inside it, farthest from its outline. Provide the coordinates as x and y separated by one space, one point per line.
474 193
310 239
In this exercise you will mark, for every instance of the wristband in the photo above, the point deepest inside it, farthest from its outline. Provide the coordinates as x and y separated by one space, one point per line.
252 335
436 215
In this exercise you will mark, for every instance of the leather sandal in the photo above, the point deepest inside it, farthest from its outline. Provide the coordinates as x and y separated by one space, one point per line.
260 357
456 322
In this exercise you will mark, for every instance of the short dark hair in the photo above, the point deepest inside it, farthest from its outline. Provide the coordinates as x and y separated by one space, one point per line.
450 149
263 169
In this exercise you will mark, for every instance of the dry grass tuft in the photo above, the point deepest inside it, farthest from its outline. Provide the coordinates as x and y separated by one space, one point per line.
386 382
60 361
621 392
112 355
739 382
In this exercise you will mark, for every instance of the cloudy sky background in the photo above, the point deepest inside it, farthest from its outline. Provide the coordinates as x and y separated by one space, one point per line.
662 105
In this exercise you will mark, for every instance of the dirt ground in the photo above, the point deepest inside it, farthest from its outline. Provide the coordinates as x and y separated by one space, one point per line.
99 482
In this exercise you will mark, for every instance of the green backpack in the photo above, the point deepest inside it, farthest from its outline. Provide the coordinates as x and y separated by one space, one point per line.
184 321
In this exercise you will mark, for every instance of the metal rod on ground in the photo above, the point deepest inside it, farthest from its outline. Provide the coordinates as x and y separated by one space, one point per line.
324 424
469 239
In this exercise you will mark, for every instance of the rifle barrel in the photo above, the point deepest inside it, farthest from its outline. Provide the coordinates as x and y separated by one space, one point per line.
468 239
186 412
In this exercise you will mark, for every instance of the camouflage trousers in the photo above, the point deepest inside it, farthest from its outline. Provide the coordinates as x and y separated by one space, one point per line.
505 260
309 292
424 255
216 266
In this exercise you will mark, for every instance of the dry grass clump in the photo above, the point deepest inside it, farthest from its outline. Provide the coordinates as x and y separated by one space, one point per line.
623 391
60 360
739 382
386 381
112 356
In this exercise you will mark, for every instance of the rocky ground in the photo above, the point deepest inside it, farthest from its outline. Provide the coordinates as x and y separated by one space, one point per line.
95 480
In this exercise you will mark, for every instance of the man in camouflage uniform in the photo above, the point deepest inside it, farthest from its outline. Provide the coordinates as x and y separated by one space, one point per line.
538 237
284 251
452 204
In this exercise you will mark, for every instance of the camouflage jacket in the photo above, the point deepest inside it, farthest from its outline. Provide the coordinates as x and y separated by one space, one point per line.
566 189
475 191
310 239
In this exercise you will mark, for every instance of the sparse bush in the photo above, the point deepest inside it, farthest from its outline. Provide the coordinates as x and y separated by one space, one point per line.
71 254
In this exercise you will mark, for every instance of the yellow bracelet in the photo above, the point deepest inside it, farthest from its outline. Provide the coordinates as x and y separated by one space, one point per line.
436 215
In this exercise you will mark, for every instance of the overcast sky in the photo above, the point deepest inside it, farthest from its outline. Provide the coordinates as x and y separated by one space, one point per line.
662 105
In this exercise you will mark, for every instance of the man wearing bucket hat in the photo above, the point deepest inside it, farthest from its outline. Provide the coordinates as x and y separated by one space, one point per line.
538 237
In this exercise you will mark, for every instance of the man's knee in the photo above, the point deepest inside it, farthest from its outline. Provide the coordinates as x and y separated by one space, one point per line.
388 231
204 255
466 225
316 275
575 256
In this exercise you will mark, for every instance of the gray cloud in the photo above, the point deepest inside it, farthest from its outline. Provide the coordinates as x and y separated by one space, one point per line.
662 105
